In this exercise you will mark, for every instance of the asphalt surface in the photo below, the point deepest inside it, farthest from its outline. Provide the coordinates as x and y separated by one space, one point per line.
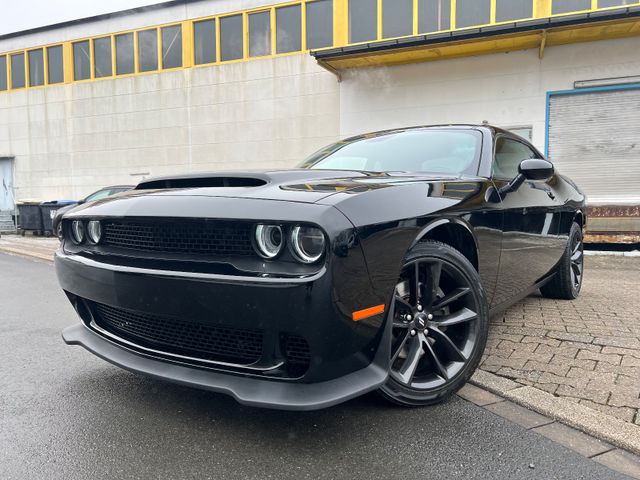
66 414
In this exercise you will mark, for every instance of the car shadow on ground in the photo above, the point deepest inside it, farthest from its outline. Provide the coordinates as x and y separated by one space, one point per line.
124 396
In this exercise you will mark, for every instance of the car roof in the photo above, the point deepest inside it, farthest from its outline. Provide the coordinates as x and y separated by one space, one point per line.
456 126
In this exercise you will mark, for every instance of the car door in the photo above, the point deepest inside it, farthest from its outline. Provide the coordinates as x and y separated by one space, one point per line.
531 244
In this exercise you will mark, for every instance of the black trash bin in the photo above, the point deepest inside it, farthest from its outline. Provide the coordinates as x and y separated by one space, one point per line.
49 210
29 217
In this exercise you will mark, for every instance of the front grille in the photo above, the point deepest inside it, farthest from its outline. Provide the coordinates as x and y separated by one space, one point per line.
180 337
196 237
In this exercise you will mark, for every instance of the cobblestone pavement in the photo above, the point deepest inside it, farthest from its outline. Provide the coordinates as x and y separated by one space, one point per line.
587 350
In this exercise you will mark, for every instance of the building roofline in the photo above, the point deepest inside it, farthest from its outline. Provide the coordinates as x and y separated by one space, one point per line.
97 18
437 38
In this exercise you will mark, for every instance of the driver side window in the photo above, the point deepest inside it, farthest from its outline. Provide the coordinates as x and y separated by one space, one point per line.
509 154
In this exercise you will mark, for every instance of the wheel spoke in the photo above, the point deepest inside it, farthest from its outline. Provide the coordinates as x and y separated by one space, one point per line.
407 371
461 316
577 256
432 283
440 336
436 361
398 344
576 247
450 298
400 324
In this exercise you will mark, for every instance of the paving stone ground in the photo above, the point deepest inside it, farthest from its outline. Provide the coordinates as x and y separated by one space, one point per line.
587 350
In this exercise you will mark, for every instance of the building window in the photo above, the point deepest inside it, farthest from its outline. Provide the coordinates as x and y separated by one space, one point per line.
171 46
3 72
231 45
259 34
55 65
125 58
204 38
102 57
434 15
147 50
615 3
289 29
473 12
507 10
319 24
81 60
17 71
566 6
363 20
397 18
36 67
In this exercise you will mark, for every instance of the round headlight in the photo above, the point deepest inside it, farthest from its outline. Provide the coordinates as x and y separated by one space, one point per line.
77 231
94 231
307 244
269 240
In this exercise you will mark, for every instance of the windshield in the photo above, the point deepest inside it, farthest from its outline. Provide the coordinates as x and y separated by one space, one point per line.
454 152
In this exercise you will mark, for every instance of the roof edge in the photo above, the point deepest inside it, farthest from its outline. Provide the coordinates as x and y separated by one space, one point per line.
97 18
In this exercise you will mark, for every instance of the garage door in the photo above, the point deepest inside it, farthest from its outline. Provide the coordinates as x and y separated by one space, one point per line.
594 138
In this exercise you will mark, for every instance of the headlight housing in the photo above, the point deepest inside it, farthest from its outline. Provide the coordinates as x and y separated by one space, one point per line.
307 244
94 231
77 231
269 240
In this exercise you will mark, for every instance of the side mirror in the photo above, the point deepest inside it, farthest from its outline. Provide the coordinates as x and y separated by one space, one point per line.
80 202
531 169
536 169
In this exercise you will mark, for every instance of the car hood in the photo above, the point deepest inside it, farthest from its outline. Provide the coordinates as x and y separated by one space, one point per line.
360 196
304 186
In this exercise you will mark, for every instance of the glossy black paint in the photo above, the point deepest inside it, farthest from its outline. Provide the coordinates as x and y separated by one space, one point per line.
513 237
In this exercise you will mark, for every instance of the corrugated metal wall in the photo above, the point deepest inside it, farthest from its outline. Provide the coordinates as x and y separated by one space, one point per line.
594 138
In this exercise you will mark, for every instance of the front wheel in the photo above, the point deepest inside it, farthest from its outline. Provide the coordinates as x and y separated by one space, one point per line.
440 326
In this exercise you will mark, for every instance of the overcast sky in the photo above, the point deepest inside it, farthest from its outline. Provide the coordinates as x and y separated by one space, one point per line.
23 14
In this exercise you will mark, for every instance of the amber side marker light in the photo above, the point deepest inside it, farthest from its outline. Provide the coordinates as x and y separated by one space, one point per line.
367 312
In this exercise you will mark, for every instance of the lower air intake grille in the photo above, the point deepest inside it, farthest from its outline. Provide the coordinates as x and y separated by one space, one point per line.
194 237
297 353
179 337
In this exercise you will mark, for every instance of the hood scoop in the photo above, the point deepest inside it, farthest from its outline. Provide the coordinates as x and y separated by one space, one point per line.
202 182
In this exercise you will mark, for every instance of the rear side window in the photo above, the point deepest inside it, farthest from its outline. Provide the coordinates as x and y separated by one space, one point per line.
509 154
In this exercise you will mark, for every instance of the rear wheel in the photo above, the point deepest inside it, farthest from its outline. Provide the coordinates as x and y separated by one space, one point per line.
440 326
567 281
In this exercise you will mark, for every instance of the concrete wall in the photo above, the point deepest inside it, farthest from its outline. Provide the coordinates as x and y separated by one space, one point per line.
507 89
72 139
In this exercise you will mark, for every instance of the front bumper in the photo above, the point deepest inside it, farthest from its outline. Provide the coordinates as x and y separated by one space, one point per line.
248 391
347 358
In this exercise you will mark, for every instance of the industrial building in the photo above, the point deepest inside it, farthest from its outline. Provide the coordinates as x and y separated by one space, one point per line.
205 85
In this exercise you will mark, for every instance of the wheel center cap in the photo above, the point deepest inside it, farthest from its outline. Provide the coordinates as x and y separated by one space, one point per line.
421 321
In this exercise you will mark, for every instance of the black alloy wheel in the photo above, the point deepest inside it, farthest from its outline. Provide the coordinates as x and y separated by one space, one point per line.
577 261
440 325
567 281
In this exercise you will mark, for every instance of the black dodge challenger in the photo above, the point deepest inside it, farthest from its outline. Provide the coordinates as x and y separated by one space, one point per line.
373 266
